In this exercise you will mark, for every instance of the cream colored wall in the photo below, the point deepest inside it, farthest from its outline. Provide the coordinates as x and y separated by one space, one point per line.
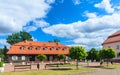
114 46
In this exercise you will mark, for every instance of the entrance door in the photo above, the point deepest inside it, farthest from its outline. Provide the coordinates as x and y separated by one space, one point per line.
32 57
50 58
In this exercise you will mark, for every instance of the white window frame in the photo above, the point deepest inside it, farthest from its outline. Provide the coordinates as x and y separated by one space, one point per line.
14 57
22 48
30 48
23 57
52 48
38 48
45 48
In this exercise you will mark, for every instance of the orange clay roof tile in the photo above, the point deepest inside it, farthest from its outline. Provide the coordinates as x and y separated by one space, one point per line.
15 49
115 37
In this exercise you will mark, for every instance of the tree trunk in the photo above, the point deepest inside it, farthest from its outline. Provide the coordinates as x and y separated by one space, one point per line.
76 64
107 62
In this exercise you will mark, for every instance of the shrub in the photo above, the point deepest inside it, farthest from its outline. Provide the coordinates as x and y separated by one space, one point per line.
1 64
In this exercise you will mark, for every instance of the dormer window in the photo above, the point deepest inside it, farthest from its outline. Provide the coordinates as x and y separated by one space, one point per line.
58 48
30 48
64 49
45 48
51 48
38 48
22 48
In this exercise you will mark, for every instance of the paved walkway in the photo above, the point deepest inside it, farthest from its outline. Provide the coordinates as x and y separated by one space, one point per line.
100 72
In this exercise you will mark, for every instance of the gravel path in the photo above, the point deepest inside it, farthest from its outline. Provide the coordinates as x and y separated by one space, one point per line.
100 72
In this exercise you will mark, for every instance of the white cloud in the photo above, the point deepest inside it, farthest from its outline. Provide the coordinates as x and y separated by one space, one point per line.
105 4
37 24
76 2
91 32
41 23
50 1
3 43
15 14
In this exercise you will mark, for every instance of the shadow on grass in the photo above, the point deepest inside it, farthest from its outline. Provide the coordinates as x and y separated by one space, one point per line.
103 67
61 69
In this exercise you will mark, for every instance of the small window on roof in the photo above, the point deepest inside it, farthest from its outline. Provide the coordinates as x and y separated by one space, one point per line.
38 48
58 48
64 49
52 48
45 48
30 48
22 48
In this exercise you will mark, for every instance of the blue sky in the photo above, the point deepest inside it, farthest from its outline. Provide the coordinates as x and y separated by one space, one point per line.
75 22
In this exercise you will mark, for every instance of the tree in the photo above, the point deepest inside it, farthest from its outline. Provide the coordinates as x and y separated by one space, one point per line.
5 52
77 52
93 54
56 40
42 57
18 37
61 56
107 54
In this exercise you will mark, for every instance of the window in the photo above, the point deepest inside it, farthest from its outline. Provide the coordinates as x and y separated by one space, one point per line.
30 48
51 48
23 57
109 47
117 47
22 48
64 49
58 48
14 58
45 48
38 48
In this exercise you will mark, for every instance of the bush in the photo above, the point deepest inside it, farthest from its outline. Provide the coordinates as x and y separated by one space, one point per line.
1 64
42 57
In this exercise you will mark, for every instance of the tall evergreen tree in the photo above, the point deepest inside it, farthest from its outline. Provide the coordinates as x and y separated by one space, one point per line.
18 37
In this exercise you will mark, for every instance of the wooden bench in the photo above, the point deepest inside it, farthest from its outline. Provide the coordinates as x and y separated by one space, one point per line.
22 67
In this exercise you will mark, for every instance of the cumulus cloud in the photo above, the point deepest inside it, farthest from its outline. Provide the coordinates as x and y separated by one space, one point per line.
105 4
91 32
37 24
3 42
15 14
76 2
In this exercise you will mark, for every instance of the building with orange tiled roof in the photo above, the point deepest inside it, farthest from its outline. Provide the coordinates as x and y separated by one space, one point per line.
28 50
113 41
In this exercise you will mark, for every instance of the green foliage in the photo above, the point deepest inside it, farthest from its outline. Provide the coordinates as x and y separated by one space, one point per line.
56 40
18 37
93 54
42 57
107 53
61 56
77 52
1 64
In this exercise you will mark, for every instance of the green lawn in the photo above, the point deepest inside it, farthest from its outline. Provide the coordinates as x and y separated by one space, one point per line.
48 72
111 66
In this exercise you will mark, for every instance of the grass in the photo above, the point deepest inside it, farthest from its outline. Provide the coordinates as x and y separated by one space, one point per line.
114 66
48 72
111 66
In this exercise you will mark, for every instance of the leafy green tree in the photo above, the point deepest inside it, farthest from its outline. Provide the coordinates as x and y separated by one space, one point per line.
42 57
5 50
18 37
77 52
107 54
93 54
61 56
56 40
